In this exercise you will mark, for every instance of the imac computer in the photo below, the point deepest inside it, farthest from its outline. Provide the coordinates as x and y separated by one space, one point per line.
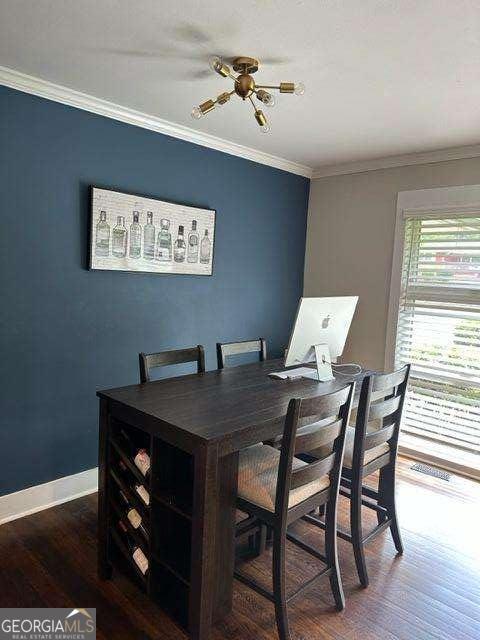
319 333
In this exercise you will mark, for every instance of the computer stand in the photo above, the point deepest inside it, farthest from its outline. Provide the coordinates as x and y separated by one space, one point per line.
323 362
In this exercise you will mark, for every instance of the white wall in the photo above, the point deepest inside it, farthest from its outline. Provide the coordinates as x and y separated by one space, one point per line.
351 223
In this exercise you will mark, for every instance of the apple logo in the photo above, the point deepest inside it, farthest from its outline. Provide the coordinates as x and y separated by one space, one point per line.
325 322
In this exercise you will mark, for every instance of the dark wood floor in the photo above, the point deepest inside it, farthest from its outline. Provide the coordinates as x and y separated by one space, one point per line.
433 591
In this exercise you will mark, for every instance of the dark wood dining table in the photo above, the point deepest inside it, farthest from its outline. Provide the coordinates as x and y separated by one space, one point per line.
211 416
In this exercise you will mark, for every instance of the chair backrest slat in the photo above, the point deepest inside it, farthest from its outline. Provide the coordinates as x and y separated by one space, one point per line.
375 438
336 407
312 471
317 436
384 408
149 361
386 381
226 349
312 408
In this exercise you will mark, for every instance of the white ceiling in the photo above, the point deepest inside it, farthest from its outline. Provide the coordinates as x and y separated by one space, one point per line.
384 77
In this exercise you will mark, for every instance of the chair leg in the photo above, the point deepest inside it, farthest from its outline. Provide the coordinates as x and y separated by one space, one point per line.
262 539
386 487
251 543
279 587
356 532
332 556
381 517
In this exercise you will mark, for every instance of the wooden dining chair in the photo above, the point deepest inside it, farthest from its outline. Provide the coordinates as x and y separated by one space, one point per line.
149 361
370 446
248 527
226 349
278 488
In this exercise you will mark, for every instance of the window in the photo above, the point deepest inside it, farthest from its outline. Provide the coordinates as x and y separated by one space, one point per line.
438 326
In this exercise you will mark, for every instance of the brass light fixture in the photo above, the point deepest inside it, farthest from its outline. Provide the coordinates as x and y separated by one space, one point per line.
245 87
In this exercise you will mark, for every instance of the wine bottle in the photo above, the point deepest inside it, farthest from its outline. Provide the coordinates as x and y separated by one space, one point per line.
136 552
132 515
139 489
143 493
140 456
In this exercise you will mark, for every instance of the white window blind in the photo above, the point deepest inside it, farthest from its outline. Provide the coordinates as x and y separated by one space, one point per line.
438 327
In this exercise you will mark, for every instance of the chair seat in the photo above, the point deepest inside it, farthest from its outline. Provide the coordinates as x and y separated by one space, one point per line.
257 478
368 456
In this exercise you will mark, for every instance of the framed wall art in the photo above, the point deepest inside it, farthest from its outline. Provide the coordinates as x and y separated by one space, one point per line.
135 233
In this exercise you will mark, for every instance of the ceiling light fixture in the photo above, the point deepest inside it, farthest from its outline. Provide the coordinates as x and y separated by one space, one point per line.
245 87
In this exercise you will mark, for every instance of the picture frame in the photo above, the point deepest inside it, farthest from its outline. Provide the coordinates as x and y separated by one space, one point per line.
132 232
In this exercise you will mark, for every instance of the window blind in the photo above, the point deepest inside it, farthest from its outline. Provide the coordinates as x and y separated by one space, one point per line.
438 328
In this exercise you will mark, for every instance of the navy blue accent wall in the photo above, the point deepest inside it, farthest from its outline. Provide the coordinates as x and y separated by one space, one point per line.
67 331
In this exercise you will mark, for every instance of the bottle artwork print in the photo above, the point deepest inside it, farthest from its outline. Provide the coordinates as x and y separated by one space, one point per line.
119 238
164 243
205 248
135 233
180 247
135 237
193 243
102 238
149 238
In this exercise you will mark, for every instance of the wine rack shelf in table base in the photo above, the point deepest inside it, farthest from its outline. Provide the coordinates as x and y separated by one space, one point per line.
162 529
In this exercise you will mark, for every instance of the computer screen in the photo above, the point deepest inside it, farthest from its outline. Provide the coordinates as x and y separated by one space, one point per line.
320 321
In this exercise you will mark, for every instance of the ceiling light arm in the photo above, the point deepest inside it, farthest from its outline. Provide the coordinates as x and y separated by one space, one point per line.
260 117
210 104
267 86
298 88
223 98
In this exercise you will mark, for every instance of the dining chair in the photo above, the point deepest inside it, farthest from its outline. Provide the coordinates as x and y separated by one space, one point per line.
370 446
256 532
149 361
227 349
278 488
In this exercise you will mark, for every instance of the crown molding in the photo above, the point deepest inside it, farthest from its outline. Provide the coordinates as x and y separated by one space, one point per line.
58 93
427 157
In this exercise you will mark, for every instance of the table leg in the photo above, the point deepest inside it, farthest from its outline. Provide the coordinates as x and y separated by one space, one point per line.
205 498
225 534
104 567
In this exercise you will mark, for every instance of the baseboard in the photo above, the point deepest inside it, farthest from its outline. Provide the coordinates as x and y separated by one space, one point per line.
43 496
438 461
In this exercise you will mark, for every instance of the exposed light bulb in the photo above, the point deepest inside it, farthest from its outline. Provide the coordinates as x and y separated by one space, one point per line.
196 113
299 89
266 98
217 65
265 128
270 100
